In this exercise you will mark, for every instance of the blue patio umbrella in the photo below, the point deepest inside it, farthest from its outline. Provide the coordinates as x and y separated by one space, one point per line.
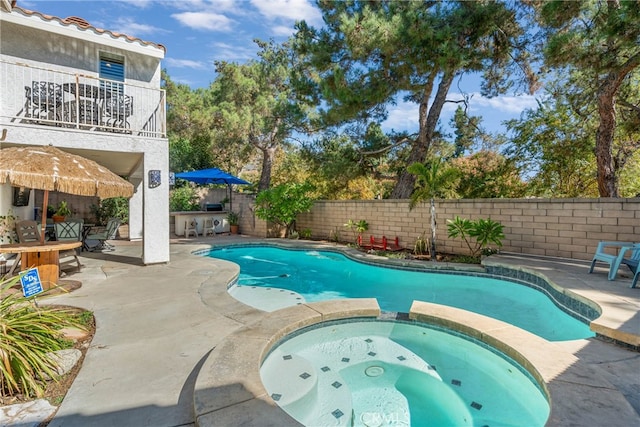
213 176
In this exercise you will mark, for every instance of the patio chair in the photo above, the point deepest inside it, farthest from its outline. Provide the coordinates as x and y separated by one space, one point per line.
209 227
633 263
28 231
613 253
109 233
190 226
43 100
117 109
69 231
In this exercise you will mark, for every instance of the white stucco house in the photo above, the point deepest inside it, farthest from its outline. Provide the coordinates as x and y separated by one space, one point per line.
91 92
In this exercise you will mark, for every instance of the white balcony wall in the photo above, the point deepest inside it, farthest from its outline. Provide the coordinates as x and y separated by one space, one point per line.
35 95
69 48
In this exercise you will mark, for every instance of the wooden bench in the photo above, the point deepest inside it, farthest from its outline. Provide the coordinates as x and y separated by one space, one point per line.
381 244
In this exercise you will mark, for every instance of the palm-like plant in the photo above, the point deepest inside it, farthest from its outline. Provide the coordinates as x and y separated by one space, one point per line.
484 231
357 228
433 179
27 334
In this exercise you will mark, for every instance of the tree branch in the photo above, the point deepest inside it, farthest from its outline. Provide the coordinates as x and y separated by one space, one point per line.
387 148
629 105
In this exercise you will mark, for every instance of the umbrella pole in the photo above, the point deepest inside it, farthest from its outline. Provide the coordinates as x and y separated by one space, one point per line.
44 215
230 198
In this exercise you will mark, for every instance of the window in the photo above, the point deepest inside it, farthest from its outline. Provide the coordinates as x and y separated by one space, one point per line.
112 68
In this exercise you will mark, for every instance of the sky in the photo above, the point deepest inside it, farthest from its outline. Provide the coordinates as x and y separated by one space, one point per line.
198 32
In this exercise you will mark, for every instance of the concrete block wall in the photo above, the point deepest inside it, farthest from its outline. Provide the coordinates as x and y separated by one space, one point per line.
243 204
80 205
568 228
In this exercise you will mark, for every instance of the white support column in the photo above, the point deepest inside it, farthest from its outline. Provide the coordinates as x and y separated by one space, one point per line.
156 206
136 208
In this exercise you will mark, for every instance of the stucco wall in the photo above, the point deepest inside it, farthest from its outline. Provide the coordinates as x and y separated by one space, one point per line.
41 47
36 48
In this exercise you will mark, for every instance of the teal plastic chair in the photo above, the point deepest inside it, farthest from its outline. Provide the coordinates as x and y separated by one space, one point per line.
633 263
627 253
69 231
109 233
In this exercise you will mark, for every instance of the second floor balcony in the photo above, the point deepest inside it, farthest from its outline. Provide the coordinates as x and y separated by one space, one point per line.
39 96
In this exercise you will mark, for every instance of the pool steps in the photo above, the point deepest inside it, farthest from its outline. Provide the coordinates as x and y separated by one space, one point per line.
266 299
313 379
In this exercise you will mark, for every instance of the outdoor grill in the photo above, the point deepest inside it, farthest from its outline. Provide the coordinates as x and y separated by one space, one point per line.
213 207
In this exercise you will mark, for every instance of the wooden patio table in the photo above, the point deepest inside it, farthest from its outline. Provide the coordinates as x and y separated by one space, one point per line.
44 256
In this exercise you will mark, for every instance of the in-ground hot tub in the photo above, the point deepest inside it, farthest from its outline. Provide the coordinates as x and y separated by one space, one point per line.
373 373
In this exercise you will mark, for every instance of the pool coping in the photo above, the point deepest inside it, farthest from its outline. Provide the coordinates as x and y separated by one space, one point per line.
617 305
611 306
229 390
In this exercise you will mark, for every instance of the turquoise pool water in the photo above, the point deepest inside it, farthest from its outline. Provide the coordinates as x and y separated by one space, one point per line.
323 275
374 373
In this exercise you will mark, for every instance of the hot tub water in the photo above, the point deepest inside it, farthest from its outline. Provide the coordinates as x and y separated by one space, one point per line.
383 373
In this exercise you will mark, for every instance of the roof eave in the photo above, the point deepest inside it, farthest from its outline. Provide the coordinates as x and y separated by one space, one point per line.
56 25
5 5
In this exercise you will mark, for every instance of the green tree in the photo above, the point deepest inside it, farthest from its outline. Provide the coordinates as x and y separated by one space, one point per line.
256 106
487 174
342 168
433 179
282 204
553 146
599 38
371 53
188 127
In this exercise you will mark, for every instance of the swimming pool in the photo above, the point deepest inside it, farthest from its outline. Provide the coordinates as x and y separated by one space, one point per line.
323 275
372 373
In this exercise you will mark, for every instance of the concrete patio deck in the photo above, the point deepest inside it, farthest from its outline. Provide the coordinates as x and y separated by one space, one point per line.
160 327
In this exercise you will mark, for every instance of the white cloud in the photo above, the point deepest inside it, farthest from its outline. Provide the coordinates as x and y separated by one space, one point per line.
210 5
233 53
185 63
239 8
294 10
131 28
403 116
282 31
185 81
513 105
204 21
141 4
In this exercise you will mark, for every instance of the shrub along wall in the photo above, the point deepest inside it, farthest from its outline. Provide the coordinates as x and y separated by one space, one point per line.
568 228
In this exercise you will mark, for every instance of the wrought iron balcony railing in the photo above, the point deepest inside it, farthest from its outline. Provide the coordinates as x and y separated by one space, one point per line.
32 95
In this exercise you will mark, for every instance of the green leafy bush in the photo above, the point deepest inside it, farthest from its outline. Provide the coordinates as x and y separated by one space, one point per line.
282 204
421 246
183 199
8 228
27 334
357 228
233 218
334 236
482 231
305 233
115 207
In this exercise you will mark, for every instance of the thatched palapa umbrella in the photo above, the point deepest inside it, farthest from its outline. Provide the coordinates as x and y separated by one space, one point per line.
51 169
